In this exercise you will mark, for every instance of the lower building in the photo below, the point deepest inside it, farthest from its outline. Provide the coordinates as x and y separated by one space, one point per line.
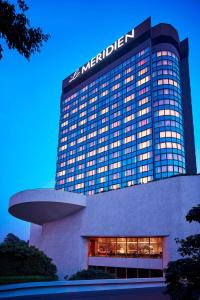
130 232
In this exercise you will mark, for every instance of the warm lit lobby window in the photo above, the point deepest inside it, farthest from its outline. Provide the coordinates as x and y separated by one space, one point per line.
136 247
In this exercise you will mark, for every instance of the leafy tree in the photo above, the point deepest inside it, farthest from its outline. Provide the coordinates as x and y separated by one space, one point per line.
15 29
17 258
183 275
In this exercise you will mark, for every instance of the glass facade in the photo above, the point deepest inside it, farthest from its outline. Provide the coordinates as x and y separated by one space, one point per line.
135 247
124 128
129 272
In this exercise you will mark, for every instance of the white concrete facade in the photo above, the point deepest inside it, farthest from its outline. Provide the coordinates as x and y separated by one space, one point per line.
154 209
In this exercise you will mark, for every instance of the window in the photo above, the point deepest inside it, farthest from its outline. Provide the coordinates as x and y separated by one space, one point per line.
129 98
143 111
129 118
143 71
143 80
128 79
144 133
135 247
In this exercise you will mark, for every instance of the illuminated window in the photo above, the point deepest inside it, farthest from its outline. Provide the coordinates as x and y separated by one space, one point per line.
143 91
170 145
61 173
129 172
63 148
168 112
173 134
128 70
115 165
129 118
82 122
104 93
104 84
115 144
64 124
102 179
70 179
143 80
92 117
80 157
91 173
83 105
145 156
133 247
143 101
64 139
71 161
143 111
129 98
72 127
83 114
92 134
145 179
142 62
79 186
102 169
144 168
115 124
80 176
143 122
128 79
116 86
102 149
93 99
91 153
143 71
144 144
91 163
103 129
129 139
105 110
144 133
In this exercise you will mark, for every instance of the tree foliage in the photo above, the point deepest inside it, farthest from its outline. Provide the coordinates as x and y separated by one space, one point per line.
183 275
15 29
18 258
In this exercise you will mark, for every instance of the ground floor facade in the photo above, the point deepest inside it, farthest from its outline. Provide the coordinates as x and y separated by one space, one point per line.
130 232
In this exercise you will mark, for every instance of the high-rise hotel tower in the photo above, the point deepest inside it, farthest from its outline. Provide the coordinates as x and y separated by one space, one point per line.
126 119
126 115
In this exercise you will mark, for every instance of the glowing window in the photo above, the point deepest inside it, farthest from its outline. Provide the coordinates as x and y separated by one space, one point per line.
129 118
129 139
144 144
143 71
128 79
144 133
143 101
102 169
143 80
143 111
129 98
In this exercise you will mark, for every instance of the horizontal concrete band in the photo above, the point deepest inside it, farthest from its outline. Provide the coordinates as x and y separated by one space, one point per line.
76 286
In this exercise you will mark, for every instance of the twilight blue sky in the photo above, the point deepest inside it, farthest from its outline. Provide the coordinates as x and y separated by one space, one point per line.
30 91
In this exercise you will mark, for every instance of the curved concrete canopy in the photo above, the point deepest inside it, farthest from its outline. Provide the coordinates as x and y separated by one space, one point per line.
41 206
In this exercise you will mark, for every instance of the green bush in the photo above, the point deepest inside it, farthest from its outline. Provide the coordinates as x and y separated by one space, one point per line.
91 274
29 278
17 258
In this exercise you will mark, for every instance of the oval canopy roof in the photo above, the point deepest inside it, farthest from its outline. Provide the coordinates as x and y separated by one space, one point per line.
41 206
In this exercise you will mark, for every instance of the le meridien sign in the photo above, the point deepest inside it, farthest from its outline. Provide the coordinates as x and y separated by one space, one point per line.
104 54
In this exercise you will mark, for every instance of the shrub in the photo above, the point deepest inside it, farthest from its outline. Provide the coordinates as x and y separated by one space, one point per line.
28 278
17 258
91 274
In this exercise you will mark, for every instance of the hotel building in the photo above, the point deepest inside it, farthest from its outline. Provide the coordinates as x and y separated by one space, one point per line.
125 128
